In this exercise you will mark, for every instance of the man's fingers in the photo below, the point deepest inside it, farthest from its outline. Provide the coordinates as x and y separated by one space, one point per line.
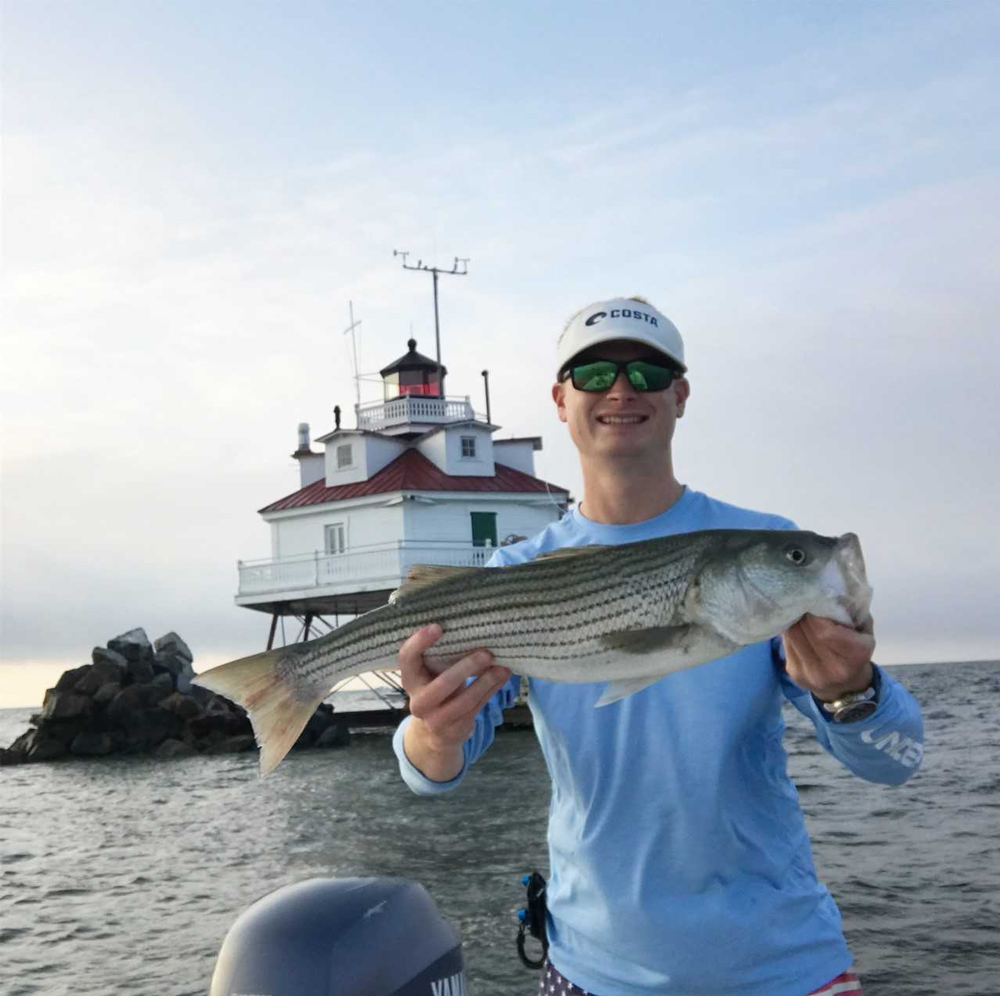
475 695
444 686
411 657
799 646
830 639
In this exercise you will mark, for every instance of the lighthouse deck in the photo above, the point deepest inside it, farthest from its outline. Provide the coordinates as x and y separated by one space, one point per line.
355 580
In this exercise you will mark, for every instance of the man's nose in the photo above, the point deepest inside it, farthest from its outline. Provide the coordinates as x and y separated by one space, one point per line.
622 387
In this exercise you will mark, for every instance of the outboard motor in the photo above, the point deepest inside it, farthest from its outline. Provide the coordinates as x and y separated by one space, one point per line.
342 937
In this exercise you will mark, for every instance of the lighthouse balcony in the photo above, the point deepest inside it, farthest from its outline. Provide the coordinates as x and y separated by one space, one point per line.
408 409
361 577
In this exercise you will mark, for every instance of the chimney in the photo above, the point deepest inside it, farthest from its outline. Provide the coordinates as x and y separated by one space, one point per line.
311 465
303 448
303 438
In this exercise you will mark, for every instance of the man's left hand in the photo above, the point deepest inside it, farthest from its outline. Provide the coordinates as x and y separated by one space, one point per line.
828 659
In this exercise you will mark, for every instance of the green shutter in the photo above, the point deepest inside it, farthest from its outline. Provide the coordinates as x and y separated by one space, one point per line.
484 527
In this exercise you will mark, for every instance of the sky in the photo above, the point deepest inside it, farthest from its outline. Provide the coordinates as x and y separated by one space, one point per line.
192 193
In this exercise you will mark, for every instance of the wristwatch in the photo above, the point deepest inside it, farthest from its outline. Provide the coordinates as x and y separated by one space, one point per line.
852 707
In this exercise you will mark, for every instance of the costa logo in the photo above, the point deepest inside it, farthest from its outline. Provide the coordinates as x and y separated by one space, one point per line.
641 316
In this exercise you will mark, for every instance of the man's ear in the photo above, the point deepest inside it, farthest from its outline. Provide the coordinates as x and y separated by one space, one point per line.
559 397
682 391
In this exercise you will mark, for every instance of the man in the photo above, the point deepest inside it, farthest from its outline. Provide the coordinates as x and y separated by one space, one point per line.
680 862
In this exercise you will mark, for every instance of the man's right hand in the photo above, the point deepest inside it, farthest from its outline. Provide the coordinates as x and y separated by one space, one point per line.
443 706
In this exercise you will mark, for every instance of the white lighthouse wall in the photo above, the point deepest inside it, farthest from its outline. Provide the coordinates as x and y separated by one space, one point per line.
444 449
449 517
312 468
369 454
516 453
382 451
364 525
434 447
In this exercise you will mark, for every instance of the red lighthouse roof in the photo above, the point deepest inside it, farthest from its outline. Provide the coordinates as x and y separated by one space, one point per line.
412 471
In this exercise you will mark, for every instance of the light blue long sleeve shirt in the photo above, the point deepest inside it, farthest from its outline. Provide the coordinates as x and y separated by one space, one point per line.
679 857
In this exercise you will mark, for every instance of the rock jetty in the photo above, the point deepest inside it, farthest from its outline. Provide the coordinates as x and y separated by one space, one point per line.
136 697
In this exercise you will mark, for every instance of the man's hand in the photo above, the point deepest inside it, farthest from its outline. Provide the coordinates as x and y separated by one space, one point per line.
828 659
443 707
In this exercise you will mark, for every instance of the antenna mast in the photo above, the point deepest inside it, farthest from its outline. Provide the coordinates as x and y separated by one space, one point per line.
459 269
354 346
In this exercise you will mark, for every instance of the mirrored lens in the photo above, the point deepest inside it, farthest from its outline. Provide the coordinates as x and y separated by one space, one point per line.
596 376
599 375
649 376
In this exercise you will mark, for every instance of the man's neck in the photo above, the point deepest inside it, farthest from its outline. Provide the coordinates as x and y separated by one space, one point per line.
622 496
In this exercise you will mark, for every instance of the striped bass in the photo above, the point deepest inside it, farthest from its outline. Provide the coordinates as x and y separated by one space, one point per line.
626 615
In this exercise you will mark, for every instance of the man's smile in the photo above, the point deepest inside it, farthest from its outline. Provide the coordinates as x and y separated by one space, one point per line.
621 419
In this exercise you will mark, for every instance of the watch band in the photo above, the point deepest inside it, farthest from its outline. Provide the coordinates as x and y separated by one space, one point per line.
851 707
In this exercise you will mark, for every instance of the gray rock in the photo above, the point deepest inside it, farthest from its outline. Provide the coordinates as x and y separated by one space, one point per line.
174 663
44 747
111 671
133 645
337 735
172 643
181 705
200 694
101 655
232 745
140 671
90 744
89 682
128 709
154 727
184 685
65 705
227 723
313 730
164 680
64 730
175 748
69 678
8 756
106 693
23 743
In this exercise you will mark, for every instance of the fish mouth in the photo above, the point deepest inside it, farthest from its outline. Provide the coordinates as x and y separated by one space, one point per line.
857 599
622 419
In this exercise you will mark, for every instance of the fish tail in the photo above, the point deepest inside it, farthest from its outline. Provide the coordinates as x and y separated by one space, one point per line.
279 706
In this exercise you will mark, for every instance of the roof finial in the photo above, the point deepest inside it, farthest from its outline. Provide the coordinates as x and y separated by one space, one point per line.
336 417
412 343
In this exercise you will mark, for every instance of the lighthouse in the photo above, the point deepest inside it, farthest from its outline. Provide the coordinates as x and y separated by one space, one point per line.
420 479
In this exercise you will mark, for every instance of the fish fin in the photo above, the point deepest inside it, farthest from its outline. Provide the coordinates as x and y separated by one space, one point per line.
278 708
424 575
620 689
648 641
568 551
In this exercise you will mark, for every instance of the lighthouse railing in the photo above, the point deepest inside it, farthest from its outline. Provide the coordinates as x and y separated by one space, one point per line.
377 565
377 415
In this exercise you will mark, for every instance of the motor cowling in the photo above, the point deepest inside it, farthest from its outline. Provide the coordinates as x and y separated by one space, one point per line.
341 937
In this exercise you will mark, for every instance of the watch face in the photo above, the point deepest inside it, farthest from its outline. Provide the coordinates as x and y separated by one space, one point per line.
854 713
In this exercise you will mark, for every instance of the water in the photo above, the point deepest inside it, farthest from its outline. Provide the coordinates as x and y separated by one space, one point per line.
121 877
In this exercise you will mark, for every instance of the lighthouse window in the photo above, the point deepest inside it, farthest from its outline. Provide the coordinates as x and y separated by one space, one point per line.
345 457
468 447
336 538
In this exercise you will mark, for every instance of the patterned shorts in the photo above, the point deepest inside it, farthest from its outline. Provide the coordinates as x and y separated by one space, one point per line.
554 984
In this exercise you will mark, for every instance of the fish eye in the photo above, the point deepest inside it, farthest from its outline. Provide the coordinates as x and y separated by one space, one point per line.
796 555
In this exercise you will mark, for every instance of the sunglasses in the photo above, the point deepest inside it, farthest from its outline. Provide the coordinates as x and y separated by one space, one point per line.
598 375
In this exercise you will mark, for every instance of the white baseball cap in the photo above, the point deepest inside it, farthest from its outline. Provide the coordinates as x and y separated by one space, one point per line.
620 318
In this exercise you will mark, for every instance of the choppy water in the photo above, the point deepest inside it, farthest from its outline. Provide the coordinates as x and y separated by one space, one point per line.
120 878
